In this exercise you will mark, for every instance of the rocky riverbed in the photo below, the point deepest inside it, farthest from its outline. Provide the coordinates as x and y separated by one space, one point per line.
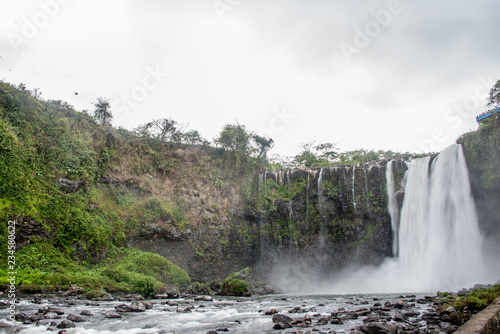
367 314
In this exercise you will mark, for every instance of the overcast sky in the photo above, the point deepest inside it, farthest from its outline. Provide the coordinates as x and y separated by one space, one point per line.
401 75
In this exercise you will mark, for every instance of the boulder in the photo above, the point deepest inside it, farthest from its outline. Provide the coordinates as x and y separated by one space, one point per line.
373 317
52 309
75 318
147 304
106 297
185 308
168 291
281 318
374 328
72 291
137 306
123 308
112 314
66 324
86 313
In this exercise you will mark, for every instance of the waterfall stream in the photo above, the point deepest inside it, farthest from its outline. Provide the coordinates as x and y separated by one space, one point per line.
392 207
439 239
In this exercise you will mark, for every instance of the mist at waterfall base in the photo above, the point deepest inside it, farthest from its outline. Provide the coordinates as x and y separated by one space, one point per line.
437 243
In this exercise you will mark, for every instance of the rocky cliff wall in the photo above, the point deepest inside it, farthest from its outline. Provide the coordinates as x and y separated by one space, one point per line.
315 222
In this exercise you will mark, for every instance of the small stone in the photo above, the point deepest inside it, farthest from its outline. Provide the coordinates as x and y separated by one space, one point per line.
86 313
52 315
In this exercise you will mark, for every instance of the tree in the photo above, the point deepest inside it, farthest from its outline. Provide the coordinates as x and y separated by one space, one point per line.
494 97
162 129
327 151
319 155
102 112
235 137
264 145
192 137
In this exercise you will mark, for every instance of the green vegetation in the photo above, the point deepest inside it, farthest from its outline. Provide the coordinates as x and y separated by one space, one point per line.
235 284
328 154
41 267
481 149
473 301
118 190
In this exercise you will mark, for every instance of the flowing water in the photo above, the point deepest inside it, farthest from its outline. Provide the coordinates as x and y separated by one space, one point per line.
237 315
392 207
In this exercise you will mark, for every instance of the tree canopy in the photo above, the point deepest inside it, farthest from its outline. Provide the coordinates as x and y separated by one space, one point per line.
102 111
494 96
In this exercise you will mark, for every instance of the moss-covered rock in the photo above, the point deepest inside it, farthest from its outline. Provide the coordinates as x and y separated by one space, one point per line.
236 285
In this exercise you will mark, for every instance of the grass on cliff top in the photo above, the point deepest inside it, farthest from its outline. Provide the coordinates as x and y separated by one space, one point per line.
43 268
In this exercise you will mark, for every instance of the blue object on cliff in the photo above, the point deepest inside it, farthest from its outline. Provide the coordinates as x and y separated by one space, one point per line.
487 114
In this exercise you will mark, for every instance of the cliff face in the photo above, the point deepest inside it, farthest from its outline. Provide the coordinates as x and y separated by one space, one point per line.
315 222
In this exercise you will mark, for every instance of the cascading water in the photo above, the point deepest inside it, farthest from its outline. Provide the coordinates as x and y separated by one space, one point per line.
320 195
439 238
307 199
392 207
353 196
366 190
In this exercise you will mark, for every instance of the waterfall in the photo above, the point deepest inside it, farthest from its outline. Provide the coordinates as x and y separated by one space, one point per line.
353 197
392 207
307 200
439 243
320 178
366 191
439 239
